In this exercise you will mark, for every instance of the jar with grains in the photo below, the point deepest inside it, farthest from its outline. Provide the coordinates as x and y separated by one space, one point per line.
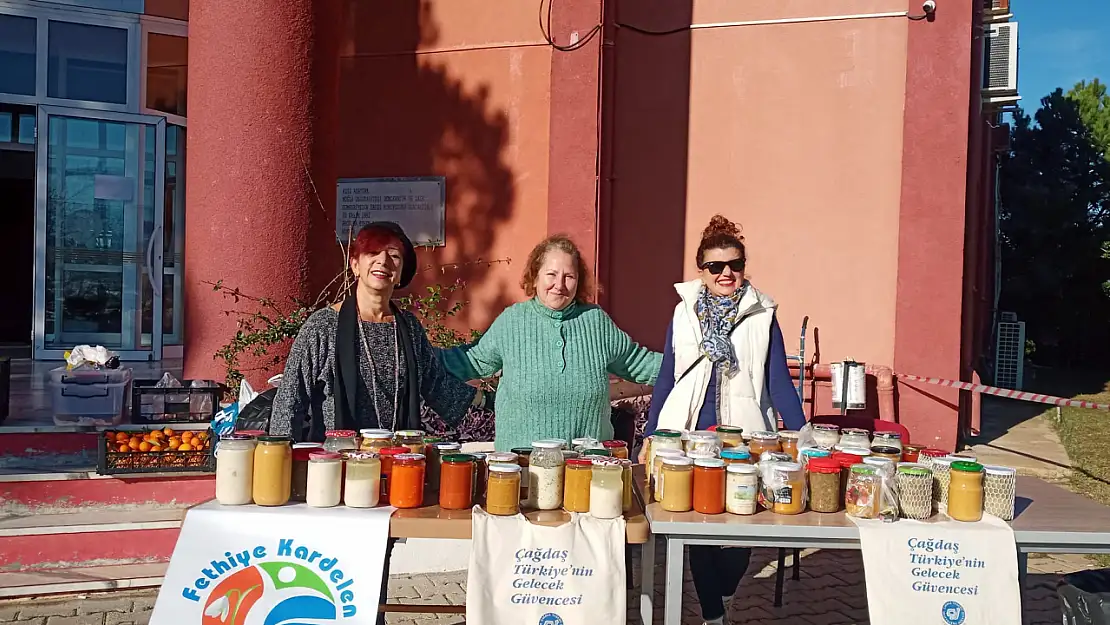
864 491
676 484
503 489
942 473
234 470
736 455
703 442
730 436
273 468
376 440
709 486
885 438
606 490
386 457
855 437
965 491
741 488
412 439
325 479
911 453
626 477
362 485
546 473
619 449
824 485
406 488
663 439
576 485
764 441
657 470
436 452
789 441
999 491
826 435
456 482
785 488
338 440
522 457
915 491
298 486
481 476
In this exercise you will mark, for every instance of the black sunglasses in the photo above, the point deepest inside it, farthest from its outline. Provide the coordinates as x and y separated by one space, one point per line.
715 267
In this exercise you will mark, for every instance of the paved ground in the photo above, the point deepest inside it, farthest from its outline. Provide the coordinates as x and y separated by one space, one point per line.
1018 434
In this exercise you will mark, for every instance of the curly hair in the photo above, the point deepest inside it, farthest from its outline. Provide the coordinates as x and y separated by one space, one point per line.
721 234
562 243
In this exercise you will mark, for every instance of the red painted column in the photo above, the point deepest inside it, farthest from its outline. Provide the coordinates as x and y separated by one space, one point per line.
263 104
932 218
573 165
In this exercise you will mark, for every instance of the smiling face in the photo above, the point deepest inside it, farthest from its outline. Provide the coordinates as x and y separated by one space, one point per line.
557 280
729 261
379 271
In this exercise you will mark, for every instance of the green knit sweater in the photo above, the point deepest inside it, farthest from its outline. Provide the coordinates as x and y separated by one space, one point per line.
555 371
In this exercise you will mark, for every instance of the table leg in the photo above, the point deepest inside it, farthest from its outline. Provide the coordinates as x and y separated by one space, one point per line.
647 581
780 577
1023 569
672 597
797 572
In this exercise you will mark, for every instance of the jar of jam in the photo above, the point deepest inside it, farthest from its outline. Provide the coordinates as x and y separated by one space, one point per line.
362 481
273 468
965 491
676 484
824 485
855 437
298 487
576 486
619 449
503 489
436 452
764 441
788 439
657 469
703 442
338 440
386 457
412 439
375 440
456 482
709 486
730 436
826 435
325 479
406 487
523 456
736 455
911 453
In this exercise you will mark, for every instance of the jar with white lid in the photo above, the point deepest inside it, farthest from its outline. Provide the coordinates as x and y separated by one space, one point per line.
942 475
583 443
325 479
887 439
855 437
606 490
234 470
376 440
703 442
657 470
362 480
663 439
741 488
338 440
826 435
413 439
999 491
546 471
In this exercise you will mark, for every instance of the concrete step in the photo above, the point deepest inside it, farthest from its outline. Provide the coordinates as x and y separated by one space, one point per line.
81 579
62 491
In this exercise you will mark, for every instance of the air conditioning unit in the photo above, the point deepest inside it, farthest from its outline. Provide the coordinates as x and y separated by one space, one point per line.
1009 355
1000 63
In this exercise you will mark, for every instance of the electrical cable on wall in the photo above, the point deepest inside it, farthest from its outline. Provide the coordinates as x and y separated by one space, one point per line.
545 28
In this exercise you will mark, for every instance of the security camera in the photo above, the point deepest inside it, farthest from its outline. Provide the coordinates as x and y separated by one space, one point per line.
929 6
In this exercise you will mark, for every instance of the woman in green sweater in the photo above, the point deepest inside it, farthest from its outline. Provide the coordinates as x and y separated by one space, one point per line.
555 353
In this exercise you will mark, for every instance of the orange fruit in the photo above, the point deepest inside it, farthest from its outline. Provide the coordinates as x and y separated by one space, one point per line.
123 448
168 432
185 447
145 446
156 448
122 437
174 443
134 443
203 436
156 435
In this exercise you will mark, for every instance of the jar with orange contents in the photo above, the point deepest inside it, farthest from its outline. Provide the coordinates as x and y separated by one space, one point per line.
764 441
387 456
619 449
456 482
709 486
406 488
789 441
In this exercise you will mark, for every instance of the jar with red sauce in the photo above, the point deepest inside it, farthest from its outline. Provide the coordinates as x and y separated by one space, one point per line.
709 486
406 477
387 455
456 482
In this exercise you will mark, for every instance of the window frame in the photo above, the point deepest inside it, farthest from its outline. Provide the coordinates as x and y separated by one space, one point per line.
155 25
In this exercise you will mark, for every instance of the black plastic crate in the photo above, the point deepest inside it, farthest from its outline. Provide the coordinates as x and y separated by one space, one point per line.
111 461
153 405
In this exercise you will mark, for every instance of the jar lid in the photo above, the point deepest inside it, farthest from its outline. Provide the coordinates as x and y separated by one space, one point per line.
236 437
253 433
909 468
855 451
408 457
933 453
308 445
606 464
700 455
814 452
888 434
824 465
876 461
788 467
727 429
703 435
625 463
736 453
846 459
614 444
967 467
274 439
359 456
445 446
501 456
855 431
324 455
765 435
742 468
393 451
864 469
681 461
909 447
432 440
885 449
376 433
478 455
521 451
997 470
945 461
709 463
569 453
504 468
340 434
458 458
667 453
776 456
596 452
788 434
580 462
826 427
668 433
410 433
561 441
547 444
582 440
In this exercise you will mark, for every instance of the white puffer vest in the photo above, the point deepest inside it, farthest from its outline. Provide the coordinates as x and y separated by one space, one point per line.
745 400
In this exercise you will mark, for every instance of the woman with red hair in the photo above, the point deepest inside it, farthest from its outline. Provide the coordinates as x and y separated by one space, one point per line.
365 363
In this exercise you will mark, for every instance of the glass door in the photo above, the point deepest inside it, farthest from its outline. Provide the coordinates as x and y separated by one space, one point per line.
99 214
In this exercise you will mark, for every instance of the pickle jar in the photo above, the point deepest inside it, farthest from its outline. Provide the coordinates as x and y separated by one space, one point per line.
412 439
503 489
619 449
864 491
730 436
375 440
675 486
824 485
709 486
338 440
576 485
456 482
965 491
764 441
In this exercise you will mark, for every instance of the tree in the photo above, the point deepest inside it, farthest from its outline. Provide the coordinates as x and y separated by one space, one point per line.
1094 110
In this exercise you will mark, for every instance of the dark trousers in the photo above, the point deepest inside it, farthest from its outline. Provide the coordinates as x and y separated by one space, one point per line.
717 573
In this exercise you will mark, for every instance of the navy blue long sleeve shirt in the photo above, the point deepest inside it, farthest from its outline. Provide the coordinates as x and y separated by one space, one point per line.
784 397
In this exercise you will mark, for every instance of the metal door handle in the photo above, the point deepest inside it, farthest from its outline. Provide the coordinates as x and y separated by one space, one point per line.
156 288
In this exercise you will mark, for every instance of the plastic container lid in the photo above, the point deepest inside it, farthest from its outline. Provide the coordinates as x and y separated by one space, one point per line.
668 433
504 468
967 467
614 444
411 434
458 458
324 455
375 433
877 462
908 468
765 435
340 434
742 468
997 470
580 462
445 446
865 469
521 451
709 463
678 461
736 453
501 456
547 444
408 457
393 451
824 465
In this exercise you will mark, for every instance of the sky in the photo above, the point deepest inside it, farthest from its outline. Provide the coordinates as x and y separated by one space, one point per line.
1060 42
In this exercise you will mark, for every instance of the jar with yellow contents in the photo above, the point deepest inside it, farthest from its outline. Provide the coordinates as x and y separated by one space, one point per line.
965 491
676 481
576 485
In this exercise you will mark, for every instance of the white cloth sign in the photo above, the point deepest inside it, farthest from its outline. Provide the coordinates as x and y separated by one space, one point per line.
248 565
940 572
525 574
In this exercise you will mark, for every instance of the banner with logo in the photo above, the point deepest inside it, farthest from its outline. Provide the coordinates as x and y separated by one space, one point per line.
941 572
248 565
525 574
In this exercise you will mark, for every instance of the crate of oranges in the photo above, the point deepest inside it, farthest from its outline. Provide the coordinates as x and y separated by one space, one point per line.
155 450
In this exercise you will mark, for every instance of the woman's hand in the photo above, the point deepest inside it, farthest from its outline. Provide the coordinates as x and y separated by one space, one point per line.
642 458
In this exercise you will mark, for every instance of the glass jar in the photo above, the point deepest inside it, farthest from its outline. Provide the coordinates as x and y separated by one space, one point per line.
663 439
626 477
406 488
788 439
619 449
999 491
764 441
583 443
736 455
273 468
915 491
412 439
709 486
568 454
576 485
456 482
885 438
926 456
606 492
386 456
325 479
436 452
786 490
676 484
432 440
657 469
523 455
503 489
864 491
338 440
481 477
730 436
703 442
806 454
824 485
893 454
942 474
880 462
911 453
595 453
546 473
965 491
847 461
826 435
375 440
855 437
298 488
362 479
234 470
741 488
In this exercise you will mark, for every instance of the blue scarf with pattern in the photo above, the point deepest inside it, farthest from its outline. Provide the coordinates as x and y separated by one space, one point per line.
716 315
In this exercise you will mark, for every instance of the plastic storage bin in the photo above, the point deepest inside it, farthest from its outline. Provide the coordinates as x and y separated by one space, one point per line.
89 396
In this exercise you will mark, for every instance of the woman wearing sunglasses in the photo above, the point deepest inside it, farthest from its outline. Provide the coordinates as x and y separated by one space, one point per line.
724 364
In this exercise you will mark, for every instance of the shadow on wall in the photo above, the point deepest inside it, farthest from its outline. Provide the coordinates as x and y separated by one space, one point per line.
645 228
404 114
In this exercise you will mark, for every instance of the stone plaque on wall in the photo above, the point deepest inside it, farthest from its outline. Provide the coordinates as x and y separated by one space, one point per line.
417 204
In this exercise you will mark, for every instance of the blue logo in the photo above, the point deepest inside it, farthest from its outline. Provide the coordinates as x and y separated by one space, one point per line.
551 619
953 613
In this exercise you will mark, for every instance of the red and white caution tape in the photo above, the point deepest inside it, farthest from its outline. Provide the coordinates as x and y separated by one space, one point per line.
1005 392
